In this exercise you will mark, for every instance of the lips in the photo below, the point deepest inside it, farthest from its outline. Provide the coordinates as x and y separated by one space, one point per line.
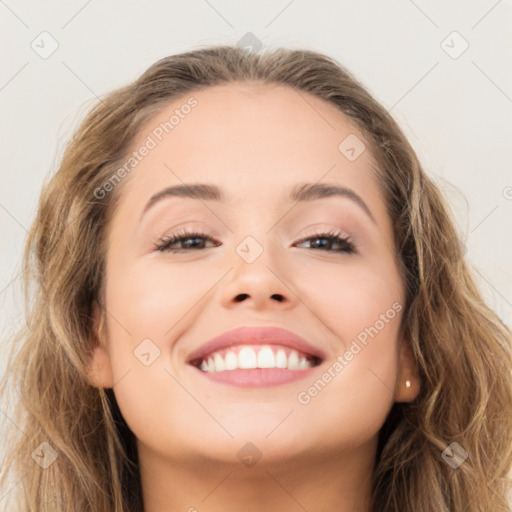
247 348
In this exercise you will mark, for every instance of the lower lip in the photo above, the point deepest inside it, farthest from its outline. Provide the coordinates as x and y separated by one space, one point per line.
258 377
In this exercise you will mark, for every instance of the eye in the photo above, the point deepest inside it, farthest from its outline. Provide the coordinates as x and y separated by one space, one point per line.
195 240
329 239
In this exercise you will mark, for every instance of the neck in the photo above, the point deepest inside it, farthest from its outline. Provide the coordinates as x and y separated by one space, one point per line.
340 482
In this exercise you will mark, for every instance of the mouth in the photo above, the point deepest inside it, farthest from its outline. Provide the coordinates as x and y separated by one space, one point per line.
250 357
256 357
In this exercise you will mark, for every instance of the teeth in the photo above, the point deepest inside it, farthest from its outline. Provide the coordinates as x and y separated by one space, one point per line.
231 361
249 358
219 363
266 358
293 361
281 359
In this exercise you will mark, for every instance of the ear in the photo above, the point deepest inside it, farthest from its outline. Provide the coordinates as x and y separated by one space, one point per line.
408 382
99 370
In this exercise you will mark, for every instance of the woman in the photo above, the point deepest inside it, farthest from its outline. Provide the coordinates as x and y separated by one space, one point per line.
249 296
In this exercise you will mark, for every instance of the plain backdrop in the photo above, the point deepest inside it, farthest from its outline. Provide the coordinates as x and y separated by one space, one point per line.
439 67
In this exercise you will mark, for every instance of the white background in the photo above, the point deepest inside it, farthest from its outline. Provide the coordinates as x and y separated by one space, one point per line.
455 111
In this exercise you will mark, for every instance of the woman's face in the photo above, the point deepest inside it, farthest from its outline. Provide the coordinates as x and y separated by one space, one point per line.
265 263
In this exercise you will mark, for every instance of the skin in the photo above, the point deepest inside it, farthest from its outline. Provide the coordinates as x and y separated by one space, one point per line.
255 142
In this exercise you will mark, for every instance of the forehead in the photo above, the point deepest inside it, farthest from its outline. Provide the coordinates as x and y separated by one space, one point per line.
249 133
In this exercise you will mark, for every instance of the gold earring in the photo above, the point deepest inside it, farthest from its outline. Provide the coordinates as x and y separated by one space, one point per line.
407 383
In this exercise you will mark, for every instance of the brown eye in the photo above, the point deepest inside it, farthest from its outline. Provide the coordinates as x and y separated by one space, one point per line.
188 240
328 240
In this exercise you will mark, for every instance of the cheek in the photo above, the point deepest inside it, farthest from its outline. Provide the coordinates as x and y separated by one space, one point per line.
352 296
147 310
361 305
148 300
350 400
144 304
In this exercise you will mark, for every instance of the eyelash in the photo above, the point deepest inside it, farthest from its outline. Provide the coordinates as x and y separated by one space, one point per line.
165 243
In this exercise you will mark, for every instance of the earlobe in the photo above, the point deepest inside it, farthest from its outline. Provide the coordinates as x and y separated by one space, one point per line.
408 382
100 370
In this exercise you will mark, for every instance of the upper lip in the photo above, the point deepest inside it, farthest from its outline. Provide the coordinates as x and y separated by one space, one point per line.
255 336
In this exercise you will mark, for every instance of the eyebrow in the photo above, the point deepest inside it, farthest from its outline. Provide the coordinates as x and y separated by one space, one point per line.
300 193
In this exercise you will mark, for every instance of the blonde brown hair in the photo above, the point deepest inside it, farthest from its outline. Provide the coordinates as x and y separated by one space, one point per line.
462 348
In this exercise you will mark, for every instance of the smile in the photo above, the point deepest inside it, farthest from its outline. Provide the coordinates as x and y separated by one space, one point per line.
256 357
245 357
256 365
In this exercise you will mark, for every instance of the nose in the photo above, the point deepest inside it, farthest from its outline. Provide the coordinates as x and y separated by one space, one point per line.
243 296
259 284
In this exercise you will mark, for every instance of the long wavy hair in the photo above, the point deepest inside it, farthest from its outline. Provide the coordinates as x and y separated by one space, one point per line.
462 348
